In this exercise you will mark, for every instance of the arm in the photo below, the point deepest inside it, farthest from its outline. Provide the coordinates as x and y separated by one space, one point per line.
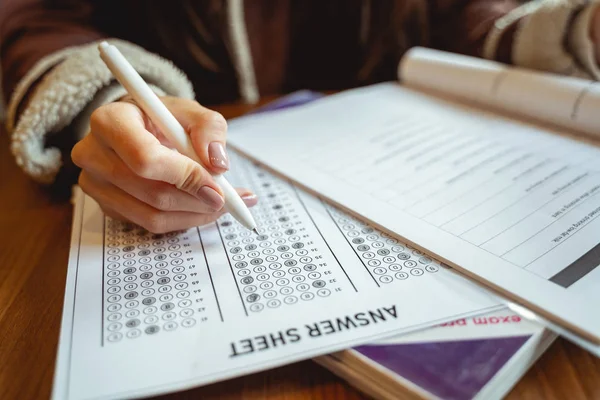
462 26
29 35
66 90
549 35
53 78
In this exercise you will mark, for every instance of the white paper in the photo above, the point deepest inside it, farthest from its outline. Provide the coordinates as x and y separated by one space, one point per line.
506 202
497 324
148 314
585 344
564 101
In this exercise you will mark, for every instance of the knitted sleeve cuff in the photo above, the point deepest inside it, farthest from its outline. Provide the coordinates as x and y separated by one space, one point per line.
545 32
78 83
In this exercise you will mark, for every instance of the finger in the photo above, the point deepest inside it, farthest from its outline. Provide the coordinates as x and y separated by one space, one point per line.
106 165
149 218
249 198
120 127
207 130
148 123
113 214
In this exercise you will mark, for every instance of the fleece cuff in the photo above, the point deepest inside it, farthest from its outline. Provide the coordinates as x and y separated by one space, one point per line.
78 83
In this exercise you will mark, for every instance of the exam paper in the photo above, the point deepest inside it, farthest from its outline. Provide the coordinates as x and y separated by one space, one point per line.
146 314
480 357
502 323
506 202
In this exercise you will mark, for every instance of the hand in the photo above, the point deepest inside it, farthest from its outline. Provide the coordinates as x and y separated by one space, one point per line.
129 169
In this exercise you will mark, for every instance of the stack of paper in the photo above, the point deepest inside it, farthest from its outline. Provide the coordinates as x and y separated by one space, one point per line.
472 358
479 357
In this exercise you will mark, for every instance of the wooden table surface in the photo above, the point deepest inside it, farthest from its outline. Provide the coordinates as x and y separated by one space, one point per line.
35 228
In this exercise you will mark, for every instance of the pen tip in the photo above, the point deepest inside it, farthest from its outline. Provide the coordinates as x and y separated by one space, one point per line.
255 231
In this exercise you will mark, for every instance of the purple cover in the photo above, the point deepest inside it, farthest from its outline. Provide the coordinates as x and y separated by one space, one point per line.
294 99
455 370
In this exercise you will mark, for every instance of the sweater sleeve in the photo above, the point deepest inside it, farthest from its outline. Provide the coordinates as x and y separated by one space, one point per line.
32 30
53 78
461 26
547 35
579 40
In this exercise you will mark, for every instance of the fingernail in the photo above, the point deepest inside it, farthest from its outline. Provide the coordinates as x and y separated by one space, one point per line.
217 155
211 197
250 199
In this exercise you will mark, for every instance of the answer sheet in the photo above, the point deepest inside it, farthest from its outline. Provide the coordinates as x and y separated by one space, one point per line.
504 201
146 314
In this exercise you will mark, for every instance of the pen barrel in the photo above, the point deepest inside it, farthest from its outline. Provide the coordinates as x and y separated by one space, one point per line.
147 100
234 203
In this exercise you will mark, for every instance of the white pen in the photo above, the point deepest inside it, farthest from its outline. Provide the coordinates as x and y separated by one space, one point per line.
170 127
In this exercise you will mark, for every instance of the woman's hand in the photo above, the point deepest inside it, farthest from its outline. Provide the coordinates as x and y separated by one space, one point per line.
129 168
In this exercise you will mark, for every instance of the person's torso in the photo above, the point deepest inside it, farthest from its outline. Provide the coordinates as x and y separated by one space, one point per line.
308 44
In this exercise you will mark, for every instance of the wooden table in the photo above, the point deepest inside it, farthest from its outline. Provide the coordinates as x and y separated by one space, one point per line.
35 228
